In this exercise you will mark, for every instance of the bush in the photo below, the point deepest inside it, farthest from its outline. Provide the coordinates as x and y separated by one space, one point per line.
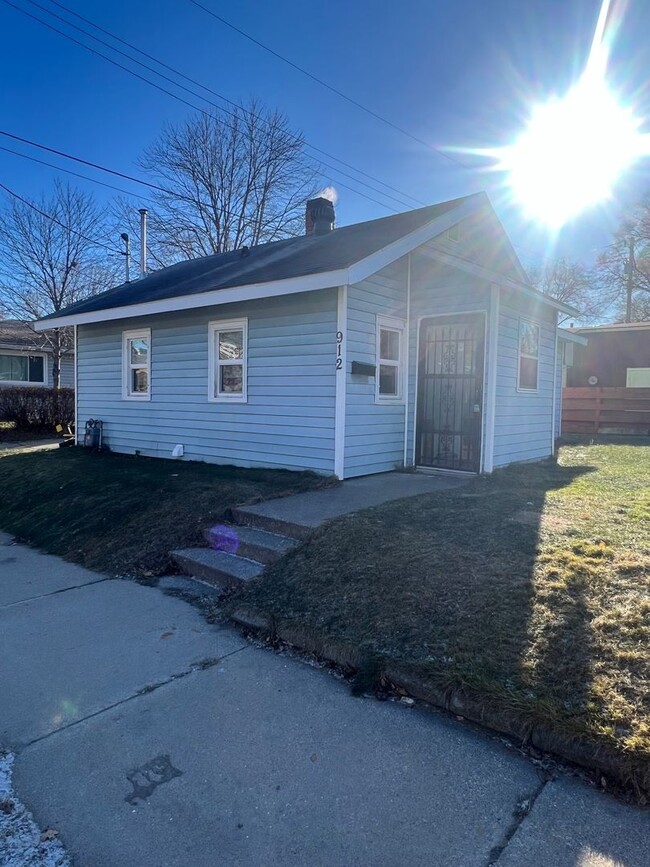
37 408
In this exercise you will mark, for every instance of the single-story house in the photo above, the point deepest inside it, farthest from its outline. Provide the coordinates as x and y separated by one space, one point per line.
26 357
411 340
615 356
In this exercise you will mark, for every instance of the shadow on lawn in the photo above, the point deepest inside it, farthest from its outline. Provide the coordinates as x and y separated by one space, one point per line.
448 585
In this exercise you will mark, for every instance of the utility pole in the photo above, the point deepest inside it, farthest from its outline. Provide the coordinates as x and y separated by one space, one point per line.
629 270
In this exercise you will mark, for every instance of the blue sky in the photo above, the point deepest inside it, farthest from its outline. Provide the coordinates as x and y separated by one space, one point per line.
461 73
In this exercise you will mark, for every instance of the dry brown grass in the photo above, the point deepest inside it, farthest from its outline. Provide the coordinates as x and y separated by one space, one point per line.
530 588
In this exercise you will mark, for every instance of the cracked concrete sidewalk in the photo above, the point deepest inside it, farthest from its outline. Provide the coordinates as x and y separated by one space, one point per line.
144 735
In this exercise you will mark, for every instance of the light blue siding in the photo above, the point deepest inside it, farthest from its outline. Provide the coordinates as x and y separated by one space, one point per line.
374 432
67 372
288 420
523 421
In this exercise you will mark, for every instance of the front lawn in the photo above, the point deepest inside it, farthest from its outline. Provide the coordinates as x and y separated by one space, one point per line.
529 589
122 514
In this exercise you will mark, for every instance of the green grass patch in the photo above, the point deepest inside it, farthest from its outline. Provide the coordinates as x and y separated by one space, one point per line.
529 588
123 514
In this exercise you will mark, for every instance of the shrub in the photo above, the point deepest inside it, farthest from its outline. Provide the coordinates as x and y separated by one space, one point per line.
37 408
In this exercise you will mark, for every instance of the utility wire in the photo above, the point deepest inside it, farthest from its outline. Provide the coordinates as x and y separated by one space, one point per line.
180 98
329 87
74 174
216 93
82 161
58 222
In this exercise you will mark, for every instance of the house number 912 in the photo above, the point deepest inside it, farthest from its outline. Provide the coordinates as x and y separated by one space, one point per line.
339 350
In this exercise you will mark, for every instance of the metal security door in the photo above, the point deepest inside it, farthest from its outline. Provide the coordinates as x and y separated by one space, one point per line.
450 392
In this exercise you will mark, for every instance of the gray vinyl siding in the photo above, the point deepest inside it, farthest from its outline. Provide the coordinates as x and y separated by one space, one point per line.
374 432
523 420
66 373
288 420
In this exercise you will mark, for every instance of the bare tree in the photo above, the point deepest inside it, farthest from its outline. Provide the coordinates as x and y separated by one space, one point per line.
50 257
573 283
615 265
228 180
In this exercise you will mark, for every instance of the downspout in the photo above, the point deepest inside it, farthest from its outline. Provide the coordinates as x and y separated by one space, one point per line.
554 389
407 384
76 391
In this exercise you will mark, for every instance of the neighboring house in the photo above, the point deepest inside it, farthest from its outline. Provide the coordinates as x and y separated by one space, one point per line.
616 356
412 340
26 358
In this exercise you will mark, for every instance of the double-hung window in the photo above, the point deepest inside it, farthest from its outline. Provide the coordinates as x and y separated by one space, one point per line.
228 356
390 359
136 364
15 367
528 375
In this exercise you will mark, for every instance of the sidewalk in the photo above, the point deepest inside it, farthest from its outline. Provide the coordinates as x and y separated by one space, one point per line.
311 509
143 735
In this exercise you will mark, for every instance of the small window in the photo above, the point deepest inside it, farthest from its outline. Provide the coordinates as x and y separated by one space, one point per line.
228 360
528 356
29 369
638 377
136 364
390 359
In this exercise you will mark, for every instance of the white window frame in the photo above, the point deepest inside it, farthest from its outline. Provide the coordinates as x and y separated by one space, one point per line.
389 323
23 382
215 363
127 366
520 355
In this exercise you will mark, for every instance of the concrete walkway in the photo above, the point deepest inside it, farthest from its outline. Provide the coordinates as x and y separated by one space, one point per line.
311 509
144 735
30 445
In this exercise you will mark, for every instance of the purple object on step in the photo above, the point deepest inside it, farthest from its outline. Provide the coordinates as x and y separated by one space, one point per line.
223 538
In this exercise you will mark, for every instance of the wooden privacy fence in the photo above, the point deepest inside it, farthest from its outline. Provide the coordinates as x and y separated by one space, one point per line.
606 410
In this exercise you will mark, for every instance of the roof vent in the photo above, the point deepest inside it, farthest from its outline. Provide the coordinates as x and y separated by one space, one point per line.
319 216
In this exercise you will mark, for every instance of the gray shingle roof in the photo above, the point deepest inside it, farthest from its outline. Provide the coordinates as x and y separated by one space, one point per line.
279 260
17 334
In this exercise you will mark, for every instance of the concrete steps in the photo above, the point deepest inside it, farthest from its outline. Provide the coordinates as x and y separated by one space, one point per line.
255 544
236 554
294 530
217 567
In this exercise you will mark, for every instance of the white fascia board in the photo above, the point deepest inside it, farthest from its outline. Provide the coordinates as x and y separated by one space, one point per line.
571 337
392 252
494 277
213 298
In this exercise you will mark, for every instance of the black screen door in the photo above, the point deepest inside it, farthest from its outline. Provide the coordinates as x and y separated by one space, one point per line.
450 392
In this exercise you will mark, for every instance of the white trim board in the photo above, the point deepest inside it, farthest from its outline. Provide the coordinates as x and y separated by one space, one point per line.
355 273
341 381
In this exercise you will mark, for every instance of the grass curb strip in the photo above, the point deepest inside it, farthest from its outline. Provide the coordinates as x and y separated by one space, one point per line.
579 752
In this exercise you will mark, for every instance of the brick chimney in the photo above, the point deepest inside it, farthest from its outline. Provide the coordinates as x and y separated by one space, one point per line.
319 216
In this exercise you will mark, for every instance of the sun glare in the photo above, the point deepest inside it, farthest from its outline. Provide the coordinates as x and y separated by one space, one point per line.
573 150
572 153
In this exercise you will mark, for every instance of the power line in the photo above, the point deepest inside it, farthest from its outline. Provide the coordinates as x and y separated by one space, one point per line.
182 100
82 161
70 172
211 90
58 222
329 87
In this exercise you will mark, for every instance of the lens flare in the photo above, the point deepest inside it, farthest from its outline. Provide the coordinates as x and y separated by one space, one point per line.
573 149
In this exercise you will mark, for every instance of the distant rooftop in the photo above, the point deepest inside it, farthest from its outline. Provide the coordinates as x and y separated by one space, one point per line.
614 326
